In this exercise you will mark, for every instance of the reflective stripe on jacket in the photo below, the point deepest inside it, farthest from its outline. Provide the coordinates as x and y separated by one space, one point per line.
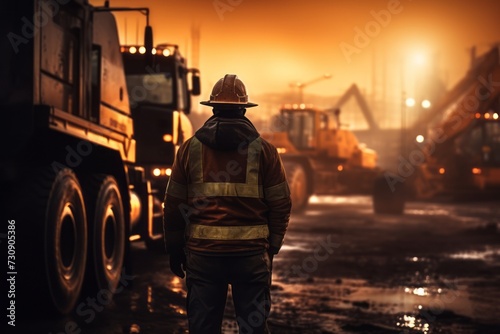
229 201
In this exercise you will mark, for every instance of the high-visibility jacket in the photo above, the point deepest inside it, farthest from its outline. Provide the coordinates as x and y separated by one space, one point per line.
227 202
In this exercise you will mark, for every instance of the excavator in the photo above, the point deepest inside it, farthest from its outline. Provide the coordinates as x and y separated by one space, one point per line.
460 153
320 157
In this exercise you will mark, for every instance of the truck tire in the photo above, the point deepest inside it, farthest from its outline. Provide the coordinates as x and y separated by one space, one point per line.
107 243
65 242
297 180
387 200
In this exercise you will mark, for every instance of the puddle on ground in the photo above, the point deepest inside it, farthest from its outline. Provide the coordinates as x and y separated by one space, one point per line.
427 212
340 199
488 255
321 304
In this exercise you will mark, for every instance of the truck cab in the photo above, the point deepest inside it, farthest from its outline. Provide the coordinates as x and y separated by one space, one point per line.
160 99
158 83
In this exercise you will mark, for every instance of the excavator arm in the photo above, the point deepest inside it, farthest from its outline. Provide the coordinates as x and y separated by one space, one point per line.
354 91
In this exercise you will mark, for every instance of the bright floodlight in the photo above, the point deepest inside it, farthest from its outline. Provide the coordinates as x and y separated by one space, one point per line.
420 139
426 104
419 58
410 102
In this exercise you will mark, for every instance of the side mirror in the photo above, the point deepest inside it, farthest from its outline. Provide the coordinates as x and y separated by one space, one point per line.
195 82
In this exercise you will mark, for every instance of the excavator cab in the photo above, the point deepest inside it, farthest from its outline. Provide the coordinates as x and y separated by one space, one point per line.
300 127
319 156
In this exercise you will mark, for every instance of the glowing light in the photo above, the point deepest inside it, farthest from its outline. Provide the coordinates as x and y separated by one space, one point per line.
134 329
168 171
420 139
340 168
413 323
477 115
156 172
410 321
166 52
153 51
132 49
487 115
410 102
150 299
134 237
442 170
302 106
176 285
142 50
476 171
419 291
314 199
281 150
495 116
167 137
426 104
419 58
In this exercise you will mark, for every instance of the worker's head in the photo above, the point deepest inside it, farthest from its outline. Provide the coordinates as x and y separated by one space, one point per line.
229 97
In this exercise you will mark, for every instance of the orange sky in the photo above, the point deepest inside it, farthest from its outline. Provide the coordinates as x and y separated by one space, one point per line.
271 43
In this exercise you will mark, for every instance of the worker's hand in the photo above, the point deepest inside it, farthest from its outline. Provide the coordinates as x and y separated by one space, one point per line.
271 251
178 262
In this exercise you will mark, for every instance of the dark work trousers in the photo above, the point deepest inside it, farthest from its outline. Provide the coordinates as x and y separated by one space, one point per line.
207 282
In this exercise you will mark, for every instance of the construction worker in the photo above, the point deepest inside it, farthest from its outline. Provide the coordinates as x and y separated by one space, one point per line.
226 211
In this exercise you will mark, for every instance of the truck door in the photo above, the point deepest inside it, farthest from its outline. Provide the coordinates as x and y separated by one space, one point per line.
61 66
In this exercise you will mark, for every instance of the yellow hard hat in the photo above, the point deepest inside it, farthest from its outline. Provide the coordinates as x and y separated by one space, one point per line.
229 92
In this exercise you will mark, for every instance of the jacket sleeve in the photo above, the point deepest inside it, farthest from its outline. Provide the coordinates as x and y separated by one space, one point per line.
175 208
277 196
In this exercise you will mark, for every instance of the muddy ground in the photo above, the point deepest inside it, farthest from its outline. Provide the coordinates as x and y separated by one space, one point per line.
435 269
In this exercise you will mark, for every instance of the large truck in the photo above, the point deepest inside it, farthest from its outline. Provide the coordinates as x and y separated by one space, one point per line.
319 155
160 100
79 155
453 149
